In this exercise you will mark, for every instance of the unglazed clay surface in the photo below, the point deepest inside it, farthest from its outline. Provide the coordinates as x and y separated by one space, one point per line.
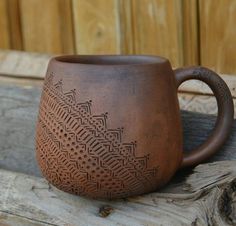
75 147
109 126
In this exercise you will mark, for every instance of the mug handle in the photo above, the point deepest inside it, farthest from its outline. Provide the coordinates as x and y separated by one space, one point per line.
225 112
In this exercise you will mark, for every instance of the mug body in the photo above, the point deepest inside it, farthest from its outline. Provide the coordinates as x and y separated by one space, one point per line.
109 126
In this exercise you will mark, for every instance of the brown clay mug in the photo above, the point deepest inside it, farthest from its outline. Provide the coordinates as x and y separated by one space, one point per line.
110 126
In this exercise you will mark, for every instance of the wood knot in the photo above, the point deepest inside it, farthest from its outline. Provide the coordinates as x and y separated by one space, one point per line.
227 203
105 211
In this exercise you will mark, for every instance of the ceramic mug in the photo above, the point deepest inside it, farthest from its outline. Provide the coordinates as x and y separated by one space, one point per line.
109 126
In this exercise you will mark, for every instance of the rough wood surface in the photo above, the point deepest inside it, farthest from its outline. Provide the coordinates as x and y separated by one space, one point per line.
206 197
205 104
24 64
18 113
198 87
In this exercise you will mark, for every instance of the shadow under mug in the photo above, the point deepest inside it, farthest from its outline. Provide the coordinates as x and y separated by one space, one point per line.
109 126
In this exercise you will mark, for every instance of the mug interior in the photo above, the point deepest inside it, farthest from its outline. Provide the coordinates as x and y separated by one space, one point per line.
111 59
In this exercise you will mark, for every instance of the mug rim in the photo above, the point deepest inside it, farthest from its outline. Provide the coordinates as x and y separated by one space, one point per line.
110 60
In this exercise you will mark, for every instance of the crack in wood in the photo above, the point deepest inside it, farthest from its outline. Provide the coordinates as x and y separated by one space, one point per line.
227 203
27 218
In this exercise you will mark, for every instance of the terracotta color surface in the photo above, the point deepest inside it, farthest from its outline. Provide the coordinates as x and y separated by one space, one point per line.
109 126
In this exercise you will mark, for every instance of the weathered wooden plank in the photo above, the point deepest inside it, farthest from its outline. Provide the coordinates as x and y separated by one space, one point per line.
23 64
196 129
14 24
206 197
66 27
218 34
190 32
4 26
42 28
198 103
157 29
18 113
126 27
205 104
199 87
8 219
96 26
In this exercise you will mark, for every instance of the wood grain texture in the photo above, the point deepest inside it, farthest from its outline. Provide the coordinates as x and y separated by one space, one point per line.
190 32
4 26
205 197
43 27
187 32
205 104
23 64
18 113
8 219
218 35
96 26
157 29
126 27
196 129
66 26
14 24
198 103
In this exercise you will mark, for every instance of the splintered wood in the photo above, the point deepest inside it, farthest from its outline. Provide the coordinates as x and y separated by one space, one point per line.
206 197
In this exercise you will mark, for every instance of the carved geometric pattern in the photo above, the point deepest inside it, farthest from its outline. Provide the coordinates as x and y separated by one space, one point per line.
79 154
